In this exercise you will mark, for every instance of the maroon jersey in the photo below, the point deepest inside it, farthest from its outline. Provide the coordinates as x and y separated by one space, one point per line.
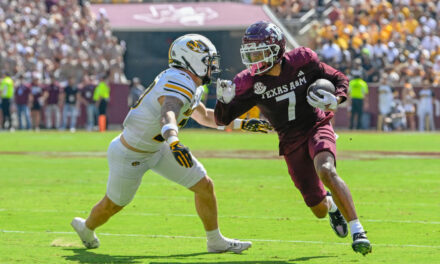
282 99
87 93
22 94
53 91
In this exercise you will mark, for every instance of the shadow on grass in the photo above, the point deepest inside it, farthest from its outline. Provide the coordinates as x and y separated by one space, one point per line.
309 258
86 256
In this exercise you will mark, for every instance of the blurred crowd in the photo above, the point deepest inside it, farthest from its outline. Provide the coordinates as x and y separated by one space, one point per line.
392 43
32 104
399 38
406 108
288 9
55 55
58 39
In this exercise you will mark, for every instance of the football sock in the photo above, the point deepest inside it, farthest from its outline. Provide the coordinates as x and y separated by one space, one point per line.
333 206
88 232
355 226
214 235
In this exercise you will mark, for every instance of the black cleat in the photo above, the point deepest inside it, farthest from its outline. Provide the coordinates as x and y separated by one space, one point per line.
337 222
361 244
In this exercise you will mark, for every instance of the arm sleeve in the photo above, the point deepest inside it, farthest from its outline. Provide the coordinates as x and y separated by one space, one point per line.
243 101
337 78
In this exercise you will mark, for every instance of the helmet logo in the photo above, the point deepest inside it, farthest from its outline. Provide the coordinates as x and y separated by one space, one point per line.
197 46
276 31
259 88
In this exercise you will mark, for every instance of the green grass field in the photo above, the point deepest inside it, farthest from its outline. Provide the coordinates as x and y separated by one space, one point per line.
48 178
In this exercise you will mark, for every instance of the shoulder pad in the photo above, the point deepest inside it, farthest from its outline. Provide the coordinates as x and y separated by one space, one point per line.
301 56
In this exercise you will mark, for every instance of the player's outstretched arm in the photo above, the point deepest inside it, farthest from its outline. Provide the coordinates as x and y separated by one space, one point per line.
170 110
205 117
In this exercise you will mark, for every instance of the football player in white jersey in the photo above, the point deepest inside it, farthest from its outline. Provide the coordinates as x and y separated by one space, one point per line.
150 141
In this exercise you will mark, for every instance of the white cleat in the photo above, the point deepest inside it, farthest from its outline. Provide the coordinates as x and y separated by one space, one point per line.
87 236
230 245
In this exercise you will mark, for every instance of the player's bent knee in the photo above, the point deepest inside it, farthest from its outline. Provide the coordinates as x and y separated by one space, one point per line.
204 186
326 172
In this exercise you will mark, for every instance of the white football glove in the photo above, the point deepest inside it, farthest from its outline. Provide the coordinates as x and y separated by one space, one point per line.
225 91
327 102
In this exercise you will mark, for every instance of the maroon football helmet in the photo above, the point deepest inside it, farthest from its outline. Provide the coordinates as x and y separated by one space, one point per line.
263 45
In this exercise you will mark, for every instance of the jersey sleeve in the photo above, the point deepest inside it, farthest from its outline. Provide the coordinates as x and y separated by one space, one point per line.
180 87
337 78
243 101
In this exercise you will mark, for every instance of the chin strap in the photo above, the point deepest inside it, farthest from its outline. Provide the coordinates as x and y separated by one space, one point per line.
205 79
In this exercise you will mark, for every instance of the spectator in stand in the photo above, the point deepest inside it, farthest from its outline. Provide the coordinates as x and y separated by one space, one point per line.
87 91
409 104
136 90
396 119
385 101
35 36
430 41
52 94
22 98
392 53
357 69
331 52
436 66
37 102
358 89
389 30
380 49
101 97
371 70
7 94
411 23
71 105
425 109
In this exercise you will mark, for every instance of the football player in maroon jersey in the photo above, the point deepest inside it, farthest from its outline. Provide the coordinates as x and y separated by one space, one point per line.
276 81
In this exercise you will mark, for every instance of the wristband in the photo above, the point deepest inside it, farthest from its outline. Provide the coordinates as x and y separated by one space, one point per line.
172 139
221 127
167 127
237 123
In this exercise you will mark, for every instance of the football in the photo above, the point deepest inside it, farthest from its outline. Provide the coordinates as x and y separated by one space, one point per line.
321 84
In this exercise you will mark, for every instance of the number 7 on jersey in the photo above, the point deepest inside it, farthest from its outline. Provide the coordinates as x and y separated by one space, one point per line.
292 103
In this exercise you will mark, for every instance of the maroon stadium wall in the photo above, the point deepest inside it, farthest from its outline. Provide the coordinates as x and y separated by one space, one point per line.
118 107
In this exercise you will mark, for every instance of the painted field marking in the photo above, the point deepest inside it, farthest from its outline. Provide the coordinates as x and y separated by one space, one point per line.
225 216
194 237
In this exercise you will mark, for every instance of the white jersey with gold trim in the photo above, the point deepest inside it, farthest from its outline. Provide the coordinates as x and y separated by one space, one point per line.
142 123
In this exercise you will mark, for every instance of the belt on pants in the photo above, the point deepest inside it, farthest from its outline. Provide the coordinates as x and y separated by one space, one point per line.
125 143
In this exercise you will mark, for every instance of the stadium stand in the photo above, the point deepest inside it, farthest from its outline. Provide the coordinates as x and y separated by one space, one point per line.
396 40
57 37
399 37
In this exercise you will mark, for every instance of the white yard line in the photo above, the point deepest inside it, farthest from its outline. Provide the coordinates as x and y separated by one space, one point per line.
194 237
225 216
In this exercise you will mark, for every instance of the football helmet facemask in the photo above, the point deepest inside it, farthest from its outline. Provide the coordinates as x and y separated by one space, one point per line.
195 53
263 45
